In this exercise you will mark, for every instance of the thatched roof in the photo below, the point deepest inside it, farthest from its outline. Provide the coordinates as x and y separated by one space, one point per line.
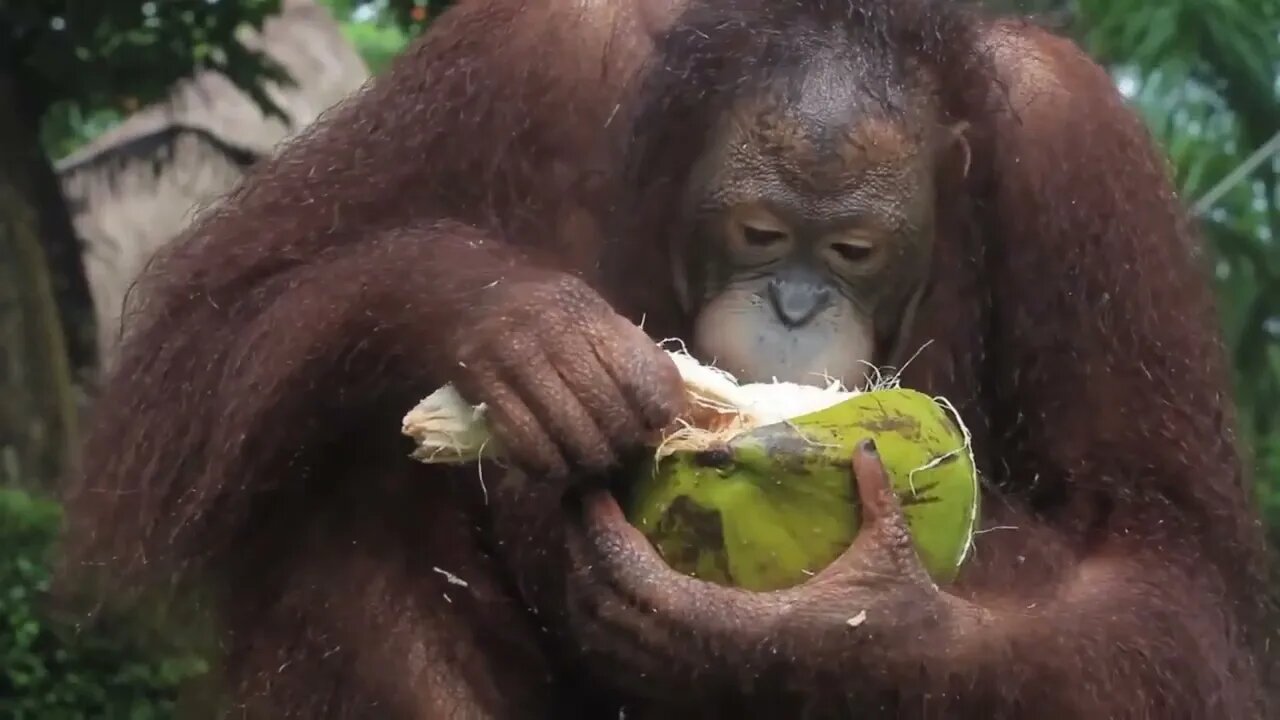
133 188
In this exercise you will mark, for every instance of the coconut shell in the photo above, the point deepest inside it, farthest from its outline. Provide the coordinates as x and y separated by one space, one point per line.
775 504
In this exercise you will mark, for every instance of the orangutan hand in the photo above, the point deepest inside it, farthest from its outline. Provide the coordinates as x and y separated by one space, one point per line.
661 631
568 382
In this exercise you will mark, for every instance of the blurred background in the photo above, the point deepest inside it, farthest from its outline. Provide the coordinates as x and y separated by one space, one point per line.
119 118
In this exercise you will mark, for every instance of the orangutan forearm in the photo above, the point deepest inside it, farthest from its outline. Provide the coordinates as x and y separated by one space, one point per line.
356 333
567 382
1121 636
398 300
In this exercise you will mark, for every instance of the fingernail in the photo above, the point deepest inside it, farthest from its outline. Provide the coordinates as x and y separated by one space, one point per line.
869 447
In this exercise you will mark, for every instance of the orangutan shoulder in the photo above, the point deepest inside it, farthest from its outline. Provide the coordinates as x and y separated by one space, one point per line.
1046 79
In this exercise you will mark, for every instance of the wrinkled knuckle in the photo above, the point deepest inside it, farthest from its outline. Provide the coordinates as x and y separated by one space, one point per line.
574 296
545 459
668 373
597 458
589 448
521 441
659 415
511 347
548 463
572 363
664 405
510 308
657 363
902 533
629 359
494 338
672 396
624 428
515 428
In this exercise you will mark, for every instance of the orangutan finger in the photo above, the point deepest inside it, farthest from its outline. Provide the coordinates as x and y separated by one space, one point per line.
885 538
634 567
514 424
596 389
611 626
875 493
648 378
561 414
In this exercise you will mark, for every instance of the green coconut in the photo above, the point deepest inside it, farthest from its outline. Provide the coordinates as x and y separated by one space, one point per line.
753 487
775 504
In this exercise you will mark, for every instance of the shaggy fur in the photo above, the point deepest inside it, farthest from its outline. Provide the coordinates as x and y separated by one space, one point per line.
247 442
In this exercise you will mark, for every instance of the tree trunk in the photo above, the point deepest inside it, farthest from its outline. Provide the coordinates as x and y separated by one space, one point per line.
37 394
64 252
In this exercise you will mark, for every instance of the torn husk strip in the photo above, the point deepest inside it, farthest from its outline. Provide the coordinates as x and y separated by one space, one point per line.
448 430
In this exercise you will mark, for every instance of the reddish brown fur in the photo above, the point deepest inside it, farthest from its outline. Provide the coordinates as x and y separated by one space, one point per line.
1072 323
248 439
250 432
867 145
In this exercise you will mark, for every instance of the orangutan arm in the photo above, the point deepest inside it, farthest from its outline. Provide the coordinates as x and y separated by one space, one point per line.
1109 351
1112 400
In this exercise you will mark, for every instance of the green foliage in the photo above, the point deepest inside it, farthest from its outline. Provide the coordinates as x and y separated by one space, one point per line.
124 53
415 15
1203 73
372 29
377 44
380 29
68 125
52 669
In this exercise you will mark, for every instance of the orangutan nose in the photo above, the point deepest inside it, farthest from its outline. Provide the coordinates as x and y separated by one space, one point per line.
796 302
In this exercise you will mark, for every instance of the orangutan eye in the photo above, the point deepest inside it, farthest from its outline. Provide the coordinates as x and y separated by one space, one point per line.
854 253
762 237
